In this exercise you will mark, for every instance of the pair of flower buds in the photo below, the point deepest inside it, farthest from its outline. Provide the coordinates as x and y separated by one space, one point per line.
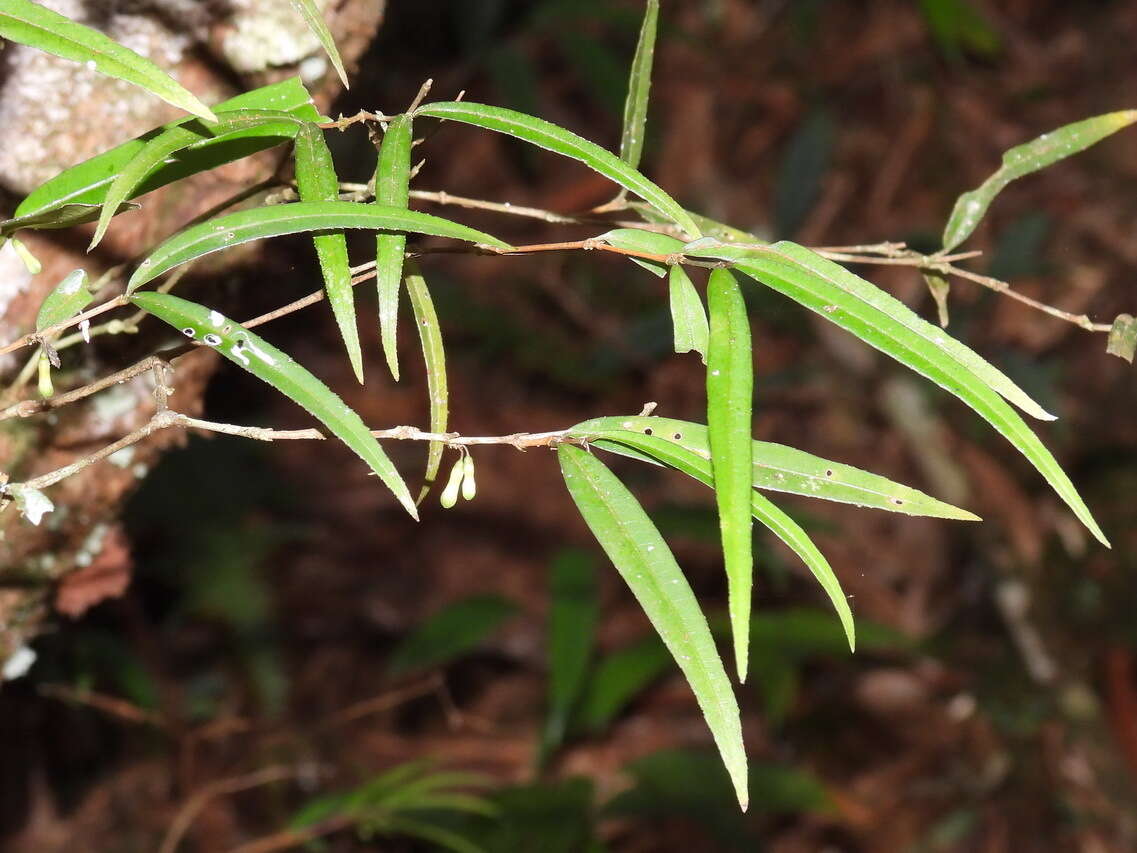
461 476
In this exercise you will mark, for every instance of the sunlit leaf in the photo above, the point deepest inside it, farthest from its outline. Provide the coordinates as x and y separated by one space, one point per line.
639 85
618 678
86 183
638 552
574 612
688 317
316 180
65 300
392 177
434 355
558 140
279 370
1022 160
166 144
319 28
779 468
456 630
260 223
730 392
696 463
1123 337
37 26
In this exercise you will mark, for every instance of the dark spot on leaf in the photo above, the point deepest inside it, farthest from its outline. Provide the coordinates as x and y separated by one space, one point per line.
678 436
828 472
647 430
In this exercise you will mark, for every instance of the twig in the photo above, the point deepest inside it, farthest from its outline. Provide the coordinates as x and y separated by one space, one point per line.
289 838
110 705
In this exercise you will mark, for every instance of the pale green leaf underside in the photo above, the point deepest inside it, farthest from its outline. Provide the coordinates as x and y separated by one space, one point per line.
392 186
560 141
730 392
693 459
639 86
36 26
279 370
65 300
1123 337
688 317
87 183
638 552
260 223
316 180
778 468
169 142
434 355
315 21
1024 159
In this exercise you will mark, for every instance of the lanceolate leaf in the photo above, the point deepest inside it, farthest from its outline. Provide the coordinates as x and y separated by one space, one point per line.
259 223
696 463
730 390
554 138
688 317
317 181
639 85
315 21
778 468
430 336
163 146
58 217
641 240
37 26
66 299
638 552
87 182
278 369
1030 157
392 179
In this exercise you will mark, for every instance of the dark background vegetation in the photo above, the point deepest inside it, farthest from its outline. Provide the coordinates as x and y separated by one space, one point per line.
993 705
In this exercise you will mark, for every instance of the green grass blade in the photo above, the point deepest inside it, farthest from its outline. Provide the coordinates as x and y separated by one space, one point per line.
696 463
456 630
779 468
279 370
574 613
730 394
688 317
566 143
392 184
638 552
639 86
434 355
1024 159
87 183
315 21
316 180
36 26
166 144
260 223
65 300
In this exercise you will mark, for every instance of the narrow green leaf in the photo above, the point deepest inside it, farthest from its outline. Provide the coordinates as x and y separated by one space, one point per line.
1027 158
1123 337
259 223
86 183
730 394
392 185
574 612
29 23
319 28
279 370
566 143
688 317
316 180
618 678
639 85
166 144
66 299
709 227
640 240
855 305
696 463
452 632
434 355
779 468
638 552
58 217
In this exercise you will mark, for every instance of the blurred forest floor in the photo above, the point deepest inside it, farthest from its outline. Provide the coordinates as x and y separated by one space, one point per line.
260 659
